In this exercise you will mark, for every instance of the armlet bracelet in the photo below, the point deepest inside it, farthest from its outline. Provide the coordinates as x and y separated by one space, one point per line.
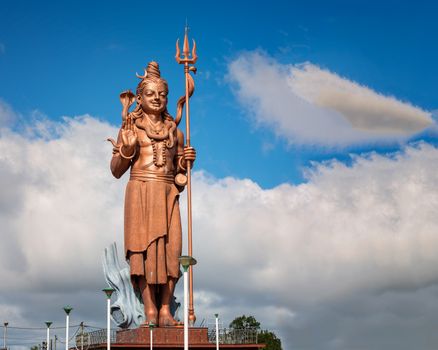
125 157
180 163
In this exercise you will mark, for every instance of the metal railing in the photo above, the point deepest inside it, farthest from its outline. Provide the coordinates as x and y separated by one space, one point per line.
234 336
226 336
83 341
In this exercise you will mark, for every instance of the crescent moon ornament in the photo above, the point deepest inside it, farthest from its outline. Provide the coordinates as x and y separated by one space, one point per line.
142 76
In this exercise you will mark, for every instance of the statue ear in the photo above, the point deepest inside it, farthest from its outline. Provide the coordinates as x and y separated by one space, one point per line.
138 98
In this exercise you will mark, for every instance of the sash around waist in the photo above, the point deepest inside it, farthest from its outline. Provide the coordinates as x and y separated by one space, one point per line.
145 175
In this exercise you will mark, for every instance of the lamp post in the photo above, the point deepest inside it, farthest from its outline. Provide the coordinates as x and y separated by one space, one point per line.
186 261
5 333
48 324
151 329
108 292
67 310
217 331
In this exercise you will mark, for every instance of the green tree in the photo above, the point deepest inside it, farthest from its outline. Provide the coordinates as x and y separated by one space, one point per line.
264 337
244 322
270 339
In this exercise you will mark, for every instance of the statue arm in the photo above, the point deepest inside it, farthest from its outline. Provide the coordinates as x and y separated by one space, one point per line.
180 162
184 153
119 165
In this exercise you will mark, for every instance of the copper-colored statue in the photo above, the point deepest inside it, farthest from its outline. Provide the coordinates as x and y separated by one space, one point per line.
151 145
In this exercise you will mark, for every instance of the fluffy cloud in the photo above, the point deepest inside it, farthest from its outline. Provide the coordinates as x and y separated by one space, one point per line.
345 220
57 211
306 104
327 264
7 114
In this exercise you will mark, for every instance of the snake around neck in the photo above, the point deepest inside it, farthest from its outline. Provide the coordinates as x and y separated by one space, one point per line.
166 132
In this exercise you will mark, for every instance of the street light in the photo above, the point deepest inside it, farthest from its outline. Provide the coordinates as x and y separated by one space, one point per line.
67 310
186 261
48 324
217 331
108 292
151 328
5 333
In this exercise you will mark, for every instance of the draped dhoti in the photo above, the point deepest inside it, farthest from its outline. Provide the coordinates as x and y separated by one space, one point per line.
153 235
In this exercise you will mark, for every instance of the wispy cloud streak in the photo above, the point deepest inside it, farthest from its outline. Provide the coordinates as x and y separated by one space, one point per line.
306 104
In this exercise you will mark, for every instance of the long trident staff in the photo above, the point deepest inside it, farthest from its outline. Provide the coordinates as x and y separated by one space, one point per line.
189 81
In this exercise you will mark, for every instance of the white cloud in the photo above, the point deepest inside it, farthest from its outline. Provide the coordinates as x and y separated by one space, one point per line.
306 104
296 257
372 224
51 215
351 236
7 114
364 108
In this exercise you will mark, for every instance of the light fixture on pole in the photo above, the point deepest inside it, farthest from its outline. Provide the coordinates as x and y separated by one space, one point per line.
186 261
67 310
108 292
48 324
5 333
217 331
151 328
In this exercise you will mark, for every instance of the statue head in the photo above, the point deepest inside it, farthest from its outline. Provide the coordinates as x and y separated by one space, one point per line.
152 91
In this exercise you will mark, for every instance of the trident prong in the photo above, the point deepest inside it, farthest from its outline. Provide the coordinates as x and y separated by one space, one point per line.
186 51
186 48
178 51
194 56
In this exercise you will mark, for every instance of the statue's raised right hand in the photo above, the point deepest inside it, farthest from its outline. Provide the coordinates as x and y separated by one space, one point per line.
129 135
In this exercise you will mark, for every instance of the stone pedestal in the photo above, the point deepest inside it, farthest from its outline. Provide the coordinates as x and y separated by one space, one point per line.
162 336
168 338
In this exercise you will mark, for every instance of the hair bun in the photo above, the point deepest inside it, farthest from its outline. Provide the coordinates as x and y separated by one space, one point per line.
153 70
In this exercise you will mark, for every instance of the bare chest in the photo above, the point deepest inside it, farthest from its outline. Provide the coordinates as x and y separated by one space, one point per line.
154 155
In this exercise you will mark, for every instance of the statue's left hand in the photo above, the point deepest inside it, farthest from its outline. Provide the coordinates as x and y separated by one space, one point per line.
189 154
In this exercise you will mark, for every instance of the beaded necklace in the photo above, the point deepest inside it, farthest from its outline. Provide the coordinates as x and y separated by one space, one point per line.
159 162
161 137
155 134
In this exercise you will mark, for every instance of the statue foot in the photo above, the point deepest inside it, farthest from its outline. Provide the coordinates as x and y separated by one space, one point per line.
166 319
151 317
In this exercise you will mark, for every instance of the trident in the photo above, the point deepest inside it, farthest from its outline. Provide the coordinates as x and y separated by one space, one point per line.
187 69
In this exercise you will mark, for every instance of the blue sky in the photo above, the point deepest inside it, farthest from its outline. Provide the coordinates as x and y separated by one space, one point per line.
315 187
73 58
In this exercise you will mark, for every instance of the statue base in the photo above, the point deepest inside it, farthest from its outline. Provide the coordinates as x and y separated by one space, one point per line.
168 338
162 336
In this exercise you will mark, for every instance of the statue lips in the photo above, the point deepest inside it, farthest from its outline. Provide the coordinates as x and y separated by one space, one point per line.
157 105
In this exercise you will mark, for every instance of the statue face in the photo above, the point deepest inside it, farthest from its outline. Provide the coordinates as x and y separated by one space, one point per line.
153 99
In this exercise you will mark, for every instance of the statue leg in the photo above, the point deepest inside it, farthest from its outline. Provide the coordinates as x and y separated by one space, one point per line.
150 305
165 317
